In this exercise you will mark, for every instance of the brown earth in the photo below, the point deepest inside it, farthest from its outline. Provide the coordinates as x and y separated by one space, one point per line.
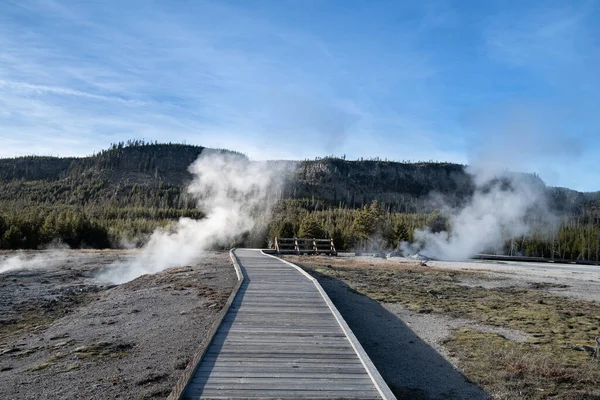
63 335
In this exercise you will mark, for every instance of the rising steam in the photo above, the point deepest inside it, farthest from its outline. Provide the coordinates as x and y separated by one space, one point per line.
500 209
235 195
504 204
27 261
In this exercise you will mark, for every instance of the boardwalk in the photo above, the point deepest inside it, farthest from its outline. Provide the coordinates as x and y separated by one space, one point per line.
281 339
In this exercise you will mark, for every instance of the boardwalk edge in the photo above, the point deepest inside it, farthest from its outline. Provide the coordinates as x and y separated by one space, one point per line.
188 373
374 374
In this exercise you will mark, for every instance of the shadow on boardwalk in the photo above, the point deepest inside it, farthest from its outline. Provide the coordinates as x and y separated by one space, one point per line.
411 368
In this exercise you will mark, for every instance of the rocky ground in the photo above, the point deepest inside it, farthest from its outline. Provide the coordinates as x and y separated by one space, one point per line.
64 335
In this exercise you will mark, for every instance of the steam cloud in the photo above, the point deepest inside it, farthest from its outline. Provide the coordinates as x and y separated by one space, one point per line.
236 196
496 212
504 204
45 259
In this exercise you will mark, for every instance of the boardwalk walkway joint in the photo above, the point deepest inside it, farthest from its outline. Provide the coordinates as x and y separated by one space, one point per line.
282 338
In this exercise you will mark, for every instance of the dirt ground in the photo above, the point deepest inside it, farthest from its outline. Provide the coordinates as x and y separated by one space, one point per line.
470 330
64 335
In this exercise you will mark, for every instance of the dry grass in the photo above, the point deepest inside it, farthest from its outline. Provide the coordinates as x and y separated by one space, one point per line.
36 315
103 349
512 370
545 367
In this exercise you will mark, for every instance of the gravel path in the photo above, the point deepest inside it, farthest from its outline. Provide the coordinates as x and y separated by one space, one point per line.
131 341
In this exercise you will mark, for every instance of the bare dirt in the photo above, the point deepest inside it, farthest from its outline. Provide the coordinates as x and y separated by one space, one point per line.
64 335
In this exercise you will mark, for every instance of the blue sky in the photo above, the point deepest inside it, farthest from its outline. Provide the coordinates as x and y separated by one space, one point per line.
509 83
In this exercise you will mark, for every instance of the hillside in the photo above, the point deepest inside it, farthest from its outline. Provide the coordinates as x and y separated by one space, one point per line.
353 183
403 187
153 175
134 161
130 189
136 173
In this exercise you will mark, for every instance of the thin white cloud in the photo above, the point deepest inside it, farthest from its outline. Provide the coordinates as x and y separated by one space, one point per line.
27 87
186 76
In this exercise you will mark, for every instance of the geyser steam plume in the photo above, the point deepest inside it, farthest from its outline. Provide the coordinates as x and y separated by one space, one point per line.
501 208
43 259
234 194
504 204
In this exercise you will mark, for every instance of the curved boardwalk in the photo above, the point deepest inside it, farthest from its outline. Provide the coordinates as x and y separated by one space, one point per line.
283 339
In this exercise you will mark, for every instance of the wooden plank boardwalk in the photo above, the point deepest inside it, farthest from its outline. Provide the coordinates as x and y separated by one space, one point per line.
282 338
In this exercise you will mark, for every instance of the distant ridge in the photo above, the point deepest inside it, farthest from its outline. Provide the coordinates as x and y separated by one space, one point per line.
127 167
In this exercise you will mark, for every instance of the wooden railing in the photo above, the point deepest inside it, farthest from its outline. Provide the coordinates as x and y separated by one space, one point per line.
304 246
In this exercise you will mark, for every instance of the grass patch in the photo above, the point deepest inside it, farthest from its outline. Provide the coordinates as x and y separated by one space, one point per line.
548 318
512 370
546 285
42 365
48 363
103 349
28 321
38 314
544 367
71 367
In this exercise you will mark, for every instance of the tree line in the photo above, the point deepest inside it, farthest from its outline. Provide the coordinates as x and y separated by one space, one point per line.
372 227
36 227
375 228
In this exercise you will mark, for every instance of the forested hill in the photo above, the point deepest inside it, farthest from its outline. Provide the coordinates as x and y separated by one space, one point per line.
124 193
122 162
127 174
403 187
153 175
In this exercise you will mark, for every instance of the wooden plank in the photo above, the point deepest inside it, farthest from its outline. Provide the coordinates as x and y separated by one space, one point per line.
306 345
296 354
335 334
323 374
212 362
317 372
277 311
311 335
272 360
317 320
300 323
292 381
282 384
279 369
276 341
284 394
283 312
271 370
276 295
282 326
259 356
229 347
283 302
